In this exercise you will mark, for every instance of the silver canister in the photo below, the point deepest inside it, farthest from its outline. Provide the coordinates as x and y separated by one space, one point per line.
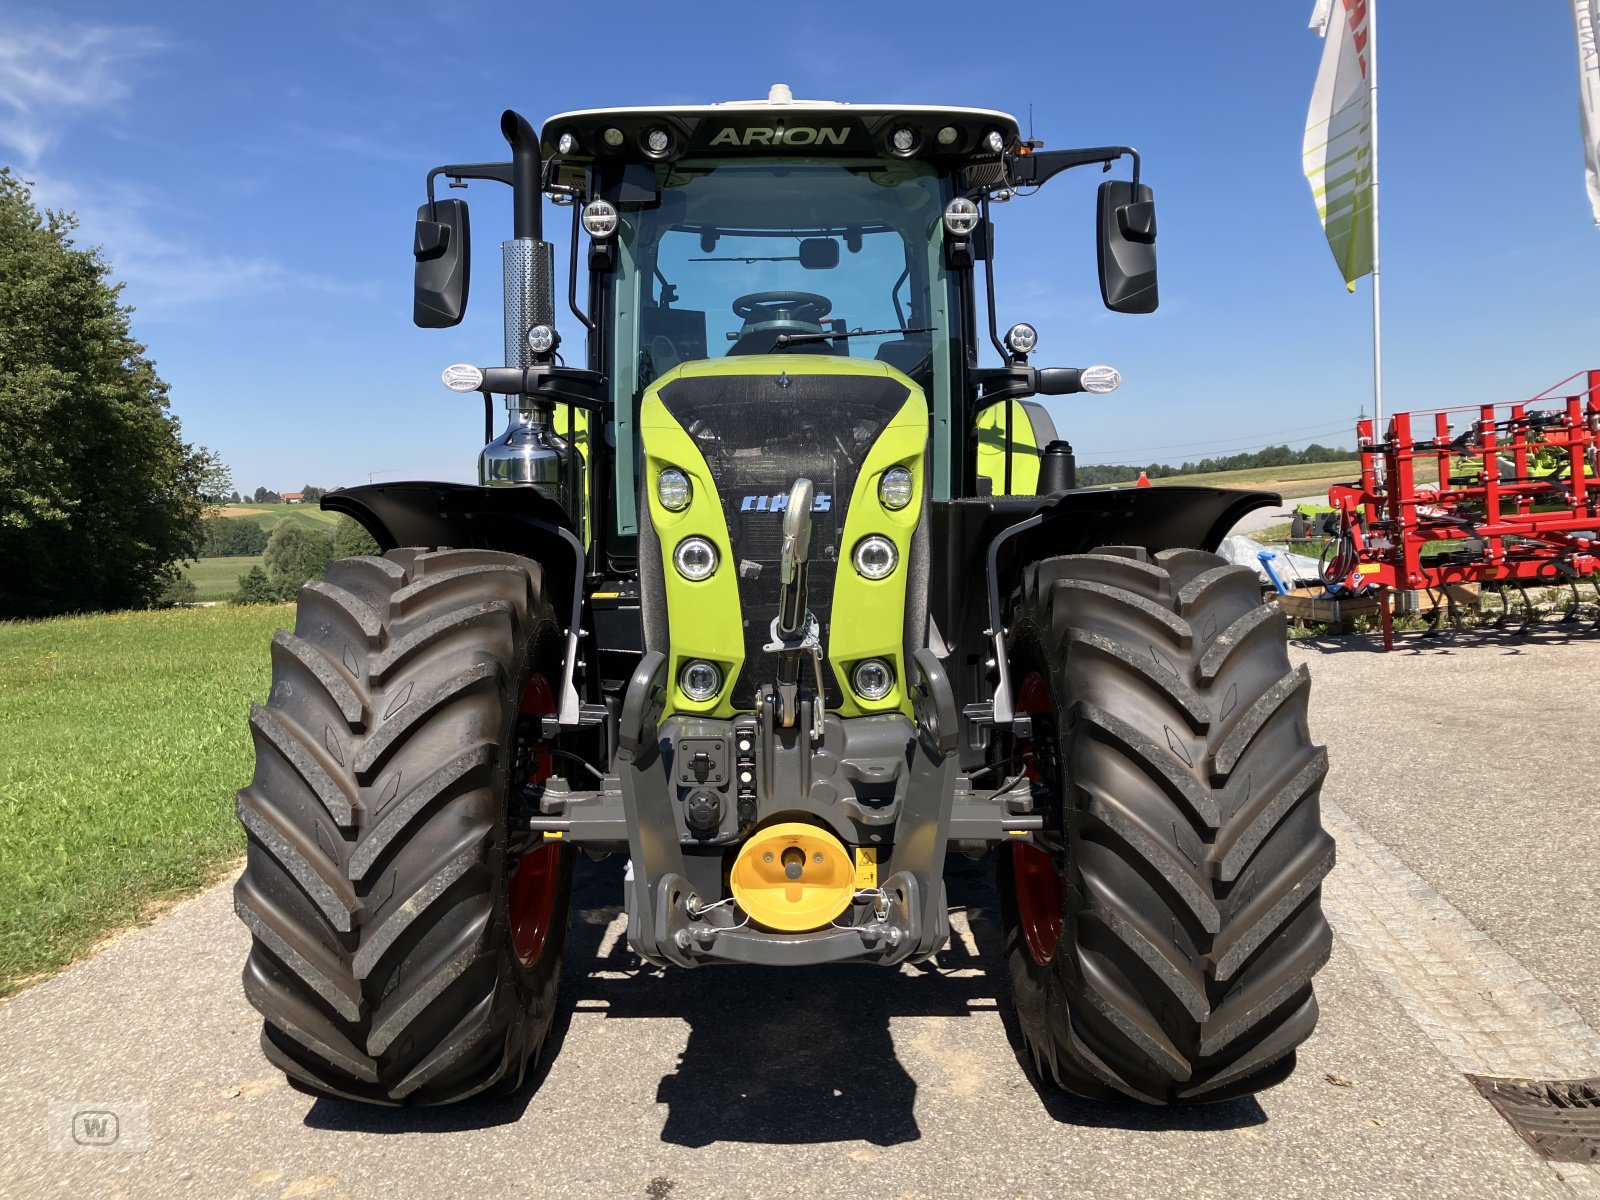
530 299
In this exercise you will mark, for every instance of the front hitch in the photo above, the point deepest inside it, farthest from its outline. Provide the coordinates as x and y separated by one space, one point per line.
794 630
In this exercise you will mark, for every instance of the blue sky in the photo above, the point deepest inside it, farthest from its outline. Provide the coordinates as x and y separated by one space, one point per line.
253 170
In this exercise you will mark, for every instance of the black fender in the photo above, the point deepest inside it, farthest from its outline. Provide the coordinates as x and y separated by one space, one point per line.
1002 534
517 520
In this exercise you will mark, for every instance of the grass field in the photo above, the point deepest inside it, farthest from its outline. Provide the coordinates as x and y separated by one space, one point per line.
1302 479
125 739
270 516
218 578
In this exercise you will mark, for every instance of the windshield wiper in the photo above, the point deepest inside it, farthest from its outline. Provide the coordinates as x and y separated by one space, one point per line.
800 339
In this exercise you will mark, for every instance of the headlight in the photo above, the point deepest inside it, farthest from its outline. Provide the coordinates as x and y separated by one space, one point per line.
600 218
567 143
700 681
948 135
994 143
894 489
657 141
673 490
960 217
875 556
695 558
873 679
542 339
612 136
904 140
1021 338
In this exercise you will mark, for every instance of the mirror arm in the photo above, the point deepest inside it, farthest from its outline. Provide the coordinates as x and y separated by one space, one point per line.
1032 170
494 172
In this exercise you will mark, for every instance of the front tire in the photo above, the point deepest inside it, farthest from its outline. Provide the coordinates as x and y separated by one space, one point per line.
1163 935
399 953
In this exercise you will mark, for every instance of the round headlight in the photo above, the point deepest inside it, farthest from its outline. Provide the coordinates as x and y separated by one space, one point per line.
873 679
875 556
695 558
1100 379
462 377
904 140
1022 338
948 135
612 136
600 218
894 489
542 339
700 681
673 490
657 141
994 143
960 216
567 143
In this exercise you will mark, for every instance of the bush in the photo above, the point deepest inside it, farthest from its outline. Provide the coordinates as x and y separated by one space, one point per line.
180 591
295 554
254 588
351 539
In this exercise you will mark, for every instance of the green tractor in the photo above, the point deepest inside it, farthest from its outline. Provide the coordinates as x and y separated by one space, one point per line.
773 589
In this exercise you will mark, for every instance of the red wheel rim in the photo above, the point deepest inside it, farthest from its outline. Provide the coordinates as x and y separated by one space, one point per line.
532 900
1035 877
536 876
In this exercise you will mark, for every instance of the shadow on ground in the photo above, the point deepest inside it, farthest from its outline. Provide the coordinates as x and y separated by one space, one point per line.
788 1057
804 1056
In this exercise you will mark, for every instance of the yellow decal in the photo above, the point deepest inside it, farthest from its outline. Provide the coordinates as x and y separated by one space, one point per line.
1369 568
866 868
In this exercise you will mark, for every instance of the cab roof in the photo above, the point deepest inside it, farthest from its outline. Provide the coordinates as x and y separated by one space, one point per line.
778 124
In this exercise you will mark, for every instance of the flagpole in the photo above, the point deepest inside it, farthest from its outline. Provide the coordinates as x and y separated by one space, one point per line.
1377 277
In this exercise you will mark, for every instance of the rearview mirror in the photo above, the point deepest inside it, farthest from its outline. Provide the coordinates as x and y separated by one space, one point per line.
443 250
819 254
1127 247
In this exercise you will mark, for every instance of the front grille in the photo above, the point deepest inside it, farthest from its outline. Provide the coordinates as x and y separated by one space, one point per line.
758 434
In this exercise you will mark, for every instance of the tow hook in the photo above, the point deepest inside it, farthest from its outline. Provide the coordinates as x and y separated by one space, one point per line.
794 630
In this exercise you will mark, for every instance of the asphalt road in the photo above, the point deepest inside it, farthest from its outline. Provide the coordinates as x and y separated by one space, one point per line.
1463 786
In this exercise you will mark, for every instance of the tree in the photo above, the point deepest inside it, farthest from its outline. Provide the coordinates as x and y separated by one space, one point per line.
231 536
254 588
312 495
100 497
351 539
295 554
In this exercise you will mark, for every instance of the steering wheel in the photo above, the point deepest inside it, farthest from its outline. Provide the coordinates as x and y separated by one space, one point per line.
789 307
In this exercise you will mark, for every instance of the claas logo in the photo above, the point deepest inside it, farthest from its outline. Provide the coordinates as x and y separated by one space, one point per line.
780 503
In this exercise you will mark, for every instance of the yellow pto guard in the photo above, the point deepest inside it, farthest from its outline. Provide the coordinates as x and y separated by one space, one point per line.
793 877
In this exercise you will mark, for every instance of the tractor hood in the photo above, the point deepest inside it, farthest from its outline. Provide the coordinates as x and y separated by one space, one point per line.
744 429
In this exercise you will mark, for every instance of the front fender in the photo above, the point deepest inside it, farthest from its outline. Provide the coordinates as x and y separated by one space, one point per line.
1000 535
517 520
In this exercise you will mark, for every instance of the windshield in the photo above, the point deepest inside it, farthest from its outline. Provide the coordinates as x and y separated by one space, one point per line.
832 257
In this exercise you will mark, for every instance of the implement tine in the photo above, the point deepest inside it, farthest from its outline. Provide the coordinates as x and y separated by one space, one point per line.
1529 613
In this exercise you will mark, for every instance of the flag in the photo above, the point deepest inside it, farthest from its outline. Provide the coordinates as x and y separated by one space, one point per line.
1337 152
1586 13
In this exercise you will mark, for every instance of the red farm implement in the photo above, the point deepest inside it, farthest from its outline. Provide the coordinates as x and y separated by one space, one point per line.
1512 505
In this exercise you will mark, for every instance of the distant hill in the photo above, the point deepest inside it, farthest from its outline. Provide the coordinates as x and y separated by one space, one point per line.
270 516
